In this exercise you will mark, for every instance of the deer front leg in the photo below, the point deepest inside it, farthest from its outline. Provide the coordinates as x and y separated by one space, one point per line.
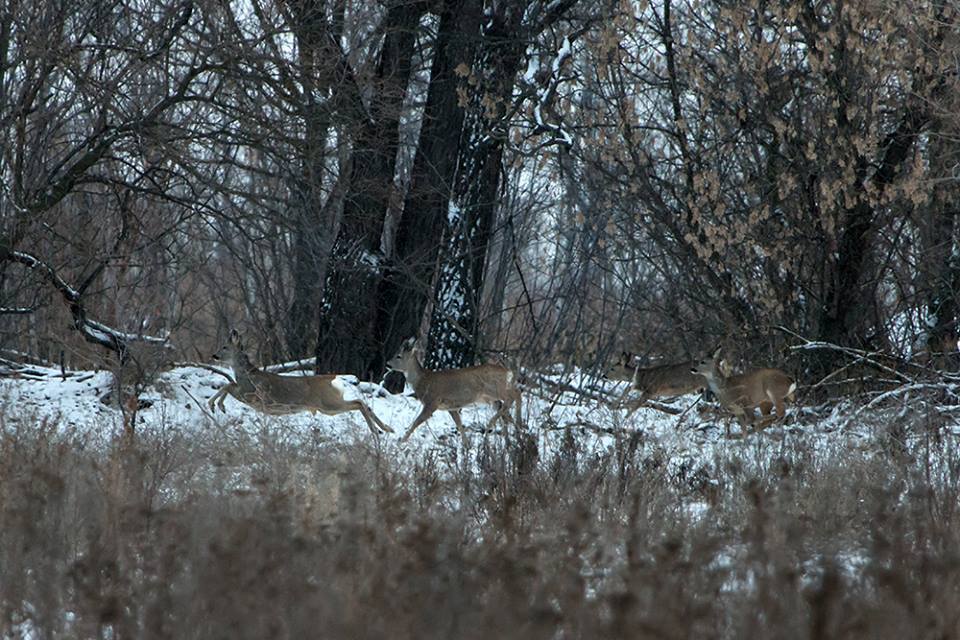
425 413
644 396
220 396
455 414
744 419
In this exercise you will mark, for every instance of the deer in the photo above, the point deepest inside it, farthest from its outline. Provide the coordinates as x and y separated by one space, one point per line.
274 394
655 382
452 390
741 394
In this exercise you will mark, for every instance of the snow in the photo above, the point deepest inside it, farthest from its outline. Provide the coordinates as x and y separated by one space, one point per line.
690 446
565 50
533 67
690 442
179 396
454 213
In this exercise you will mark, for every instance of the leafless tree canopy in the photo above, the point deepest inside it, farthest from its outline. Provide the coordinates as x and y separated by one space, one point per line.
546 181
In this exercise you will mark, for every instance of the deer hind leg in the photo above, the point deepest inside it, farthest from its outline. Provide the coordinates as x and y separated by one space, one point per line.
778 404
368 415
455 414
503 410
767 409
425 413
500 405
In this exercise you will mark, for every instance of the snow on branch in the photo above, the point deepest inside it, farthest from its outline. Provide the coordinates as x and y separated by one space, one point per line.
92 331
544 86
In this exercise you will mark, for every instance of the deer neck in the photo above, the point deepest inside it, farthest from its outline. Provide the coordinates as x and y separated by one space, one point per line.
241 365
716 381
415 372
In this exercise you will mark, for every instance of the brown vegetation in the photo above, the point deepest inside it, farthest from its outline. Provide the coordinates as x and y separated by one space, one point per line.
218 534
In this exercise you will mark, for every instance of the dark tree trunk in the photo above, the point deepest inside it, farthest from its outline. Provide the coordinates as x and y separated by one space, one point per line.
404 291
941 258
842 320
346 338
942 302
312 234
471 211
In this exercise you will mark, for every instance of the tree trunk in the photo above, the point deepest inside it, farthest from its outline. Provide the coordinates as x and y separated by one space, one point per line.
346 338
455 322
311 232
842 317
941 266
404 291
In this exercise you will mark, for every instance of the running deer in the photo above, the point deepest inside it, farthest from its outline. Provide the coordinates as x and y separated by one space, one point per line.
655 382
275 394
764 389
454 389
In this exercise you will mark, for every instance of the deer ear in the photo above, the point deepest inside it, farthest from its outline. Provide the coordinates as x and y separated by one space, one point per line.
716 353
234 336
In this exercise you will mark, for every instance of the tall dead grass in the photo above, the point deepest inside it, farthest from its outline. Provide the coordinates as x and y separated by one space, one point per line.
220 536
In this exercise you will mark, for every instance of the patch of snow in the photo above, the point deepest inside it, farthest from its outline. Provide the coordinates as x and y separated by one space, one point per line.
565 50
533 67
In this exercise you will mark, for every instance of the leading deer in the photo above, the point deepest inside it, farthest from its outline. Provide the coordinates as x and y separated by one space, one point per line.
275 394
763 389
454 389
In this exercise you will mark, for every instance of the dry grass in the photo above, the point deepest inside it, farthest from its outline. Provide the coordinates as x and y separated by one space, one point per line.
222 536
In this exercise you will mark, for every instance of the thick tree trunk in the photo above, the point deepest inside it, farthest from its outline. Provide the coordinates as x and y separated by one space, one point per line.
941 258
312 233
455 322
346 338
842 320
404 291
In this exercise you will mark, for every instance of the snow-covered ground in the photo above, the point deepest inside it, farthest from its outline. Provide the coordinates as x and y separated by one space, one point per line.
178 400
690 444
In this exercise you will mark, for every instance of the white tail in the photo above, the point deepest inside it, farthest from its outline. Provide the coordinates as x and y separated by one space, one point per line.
455 389
656 382
763 389
275 394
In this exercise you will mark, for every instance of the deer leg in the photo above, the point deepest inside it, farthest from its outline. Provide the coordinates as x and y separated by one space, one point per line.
220 396
368 416
455 414
371 416
503 411
636 405
513 400
743 418
766 415
623 396
425 413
